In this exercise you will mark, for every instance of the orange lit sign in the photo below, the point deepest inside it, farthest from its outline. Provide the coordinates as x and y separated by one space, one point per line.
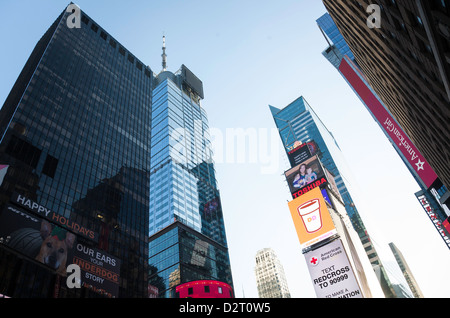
311 218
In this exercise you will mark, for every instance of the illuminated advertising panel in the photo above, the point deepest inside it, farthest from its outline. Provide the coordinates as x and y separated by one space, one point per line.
397 136
51 216
331 272
100 271
56 248
446 224
440 227
306 176
204 289
36 238
311 218
302 152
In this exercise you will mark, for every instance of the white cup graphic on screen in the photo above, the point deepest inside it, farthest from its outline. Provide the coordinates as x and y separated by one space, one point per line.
310 214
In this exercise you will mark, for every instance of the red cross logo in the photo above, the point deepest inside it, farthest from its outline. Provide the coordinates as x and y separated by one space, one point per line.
314 261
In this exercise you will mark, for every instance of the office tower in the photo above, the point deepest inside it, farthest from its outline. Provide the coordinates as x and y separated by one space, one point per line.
187 232
298 123
270 278
406 63
412 283
340 56
75 139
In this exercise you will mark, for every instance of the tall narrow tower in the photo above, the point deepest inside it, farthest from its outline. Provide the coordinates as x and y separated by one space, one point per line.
406 271
186 224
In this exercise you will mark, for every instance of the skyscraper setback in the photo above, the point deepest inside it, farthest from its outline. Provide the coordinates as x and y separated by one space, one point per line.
86 133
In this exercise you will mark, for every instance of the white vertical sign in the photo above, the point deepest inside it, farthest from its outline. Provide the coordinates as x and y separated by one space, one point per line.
331 272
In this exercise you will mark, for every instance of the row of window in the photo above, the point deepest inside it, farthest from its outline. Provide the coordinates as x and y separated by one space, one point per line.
113 43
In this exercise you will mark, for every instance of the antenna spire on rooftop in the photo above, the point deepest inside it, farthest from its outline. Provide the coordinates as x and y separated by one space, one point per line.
164 56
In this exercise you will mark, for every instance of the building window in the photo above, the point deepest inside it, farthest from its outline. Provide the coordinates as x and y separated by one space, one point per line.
94 28
85 20
23 151
220 290
190 290
50 166
206 289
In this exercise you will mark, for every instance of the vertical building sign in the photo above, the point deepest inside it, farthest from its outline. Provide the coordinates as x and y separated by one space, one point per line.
397 136
331 272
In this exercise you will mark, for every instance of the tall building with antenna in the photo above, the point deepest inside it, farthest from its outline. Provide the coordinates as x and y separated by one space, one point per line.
187 230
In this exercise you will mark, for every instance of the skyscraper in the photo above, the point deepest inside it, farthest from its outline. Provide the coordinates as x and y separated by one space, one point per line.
186 220
75 137
298 123
405 61
270 278
412 283
92 159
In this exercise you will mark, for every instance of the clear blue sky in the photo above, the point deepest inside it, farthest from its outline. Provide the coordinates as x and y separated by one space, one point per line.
250 54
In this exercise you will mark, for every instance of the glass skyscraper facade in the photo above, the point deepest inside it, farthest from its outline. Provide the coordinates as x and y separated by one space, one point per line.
75 138
188 240
297 122
87 136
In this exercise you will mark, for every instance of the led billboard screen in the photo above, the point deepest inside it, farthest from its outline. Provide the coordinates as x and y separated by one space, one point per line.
57 248
51 216
302 152
306 176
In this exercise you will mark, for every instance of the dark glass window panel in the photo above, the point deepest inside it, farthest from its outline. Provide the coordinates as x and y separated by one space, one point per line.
23 151
50 166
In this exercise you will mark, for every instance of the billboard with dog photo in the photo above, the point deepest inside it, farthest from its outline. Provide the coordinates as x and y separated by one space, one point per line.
57 248
36 238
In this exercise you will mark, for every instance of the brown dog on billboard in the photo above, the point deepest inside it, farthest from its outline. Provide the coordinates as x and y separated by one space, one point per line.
36 238
54 248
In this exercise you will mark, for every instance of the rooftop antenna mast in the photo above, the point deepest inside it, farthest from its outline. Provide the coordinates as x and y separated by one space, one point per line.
164 56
